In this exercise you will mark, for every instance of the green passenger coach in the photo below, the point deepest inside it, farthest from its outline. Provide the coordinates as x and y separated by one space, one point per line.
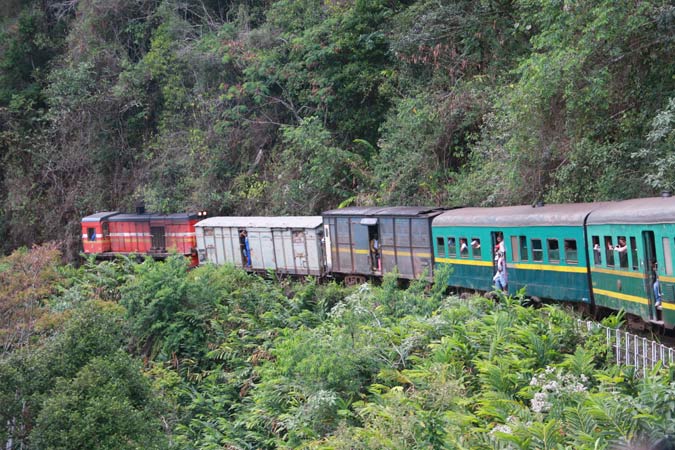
544 248
624 239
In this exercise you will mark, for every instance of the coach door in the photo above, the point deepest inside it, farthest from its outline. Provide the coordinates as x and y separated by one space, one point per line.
649 255
497 238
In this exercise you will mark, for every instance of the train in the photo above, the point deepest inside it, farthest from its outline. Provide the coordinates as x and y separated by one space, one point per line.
600 256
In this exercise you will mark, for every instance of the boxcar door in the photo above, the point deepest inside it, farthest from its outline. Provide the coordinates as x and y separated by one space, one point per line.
210 245
300 252
649 254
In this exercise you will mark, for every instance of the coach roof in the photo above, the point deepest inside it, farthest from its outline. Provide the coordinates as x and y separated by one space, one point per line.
572 214
378 211
262 222
636 211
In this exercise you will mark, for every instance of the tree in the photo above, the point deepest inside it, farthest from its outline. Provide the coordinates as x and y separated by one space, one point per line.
109 402
27 280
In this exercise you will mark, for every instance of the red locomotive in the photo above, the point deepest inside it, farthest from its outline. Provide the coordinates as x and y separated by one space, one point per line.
107 234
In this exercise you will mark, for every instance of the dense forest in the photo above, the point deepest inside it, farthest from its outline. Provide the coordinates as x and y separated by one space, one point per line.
294 106
121 355
291 107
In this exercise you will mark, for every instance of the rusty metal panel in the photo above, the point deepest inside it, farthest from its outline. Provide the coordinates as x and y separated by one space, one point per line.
387 248
420 233
402 232
387 232
344 245
402 248
422 262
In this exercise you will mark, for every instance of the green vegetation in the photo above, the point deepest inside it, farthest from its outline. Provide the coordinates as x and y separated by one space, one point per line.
152 355
297 106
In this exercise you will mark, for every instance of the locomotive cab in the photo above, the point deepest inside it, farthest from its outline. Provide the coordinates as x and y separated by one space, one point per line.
96 232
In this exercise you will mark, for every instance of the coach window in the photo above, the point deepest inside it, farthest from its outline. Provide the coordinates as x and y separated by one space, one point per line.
634 253
597 259
622 251
463 247
667 256
475 248
452 247
571 254
440 247
515 254
523 248
91 234
553 250
609 251
537 250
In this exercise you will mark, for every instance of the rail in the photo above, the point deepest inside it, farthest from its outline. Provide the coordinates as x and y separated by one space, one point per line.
633 350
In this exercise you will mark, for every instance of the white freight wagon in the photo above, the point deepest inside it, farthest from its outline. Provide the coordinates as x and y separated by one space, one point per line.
287 245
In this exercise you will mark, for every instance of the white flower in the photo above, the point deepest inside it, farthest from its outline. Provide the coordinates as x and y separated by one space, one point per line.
502 429
540 402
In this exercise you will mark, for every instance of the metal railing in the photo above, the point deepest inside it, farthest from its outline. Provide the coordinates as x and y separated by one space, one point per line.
633 350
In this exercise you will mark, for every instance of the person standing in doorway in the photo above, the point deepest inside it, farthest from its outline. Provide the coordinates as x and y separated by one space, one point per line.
655 283
501 279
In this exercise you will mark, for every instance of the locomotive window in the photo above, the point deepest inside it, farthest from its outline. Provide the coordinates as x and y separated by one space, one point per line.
667 256
537 250
106 229
622 250
516 250
440 247
475 248
523 248
597 259
609 251
553 250
463 248
91 234
452 247
634 253
571 254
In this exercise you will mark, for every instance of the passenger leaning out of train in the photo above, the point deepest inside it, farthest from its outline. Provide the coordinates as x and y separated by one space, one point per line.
500 247
245 248
621 247
501 278
655 283
463 248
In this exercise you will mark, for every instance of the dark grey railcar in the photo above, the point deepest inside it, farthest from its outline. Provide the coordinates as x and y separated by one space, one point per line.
371 241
